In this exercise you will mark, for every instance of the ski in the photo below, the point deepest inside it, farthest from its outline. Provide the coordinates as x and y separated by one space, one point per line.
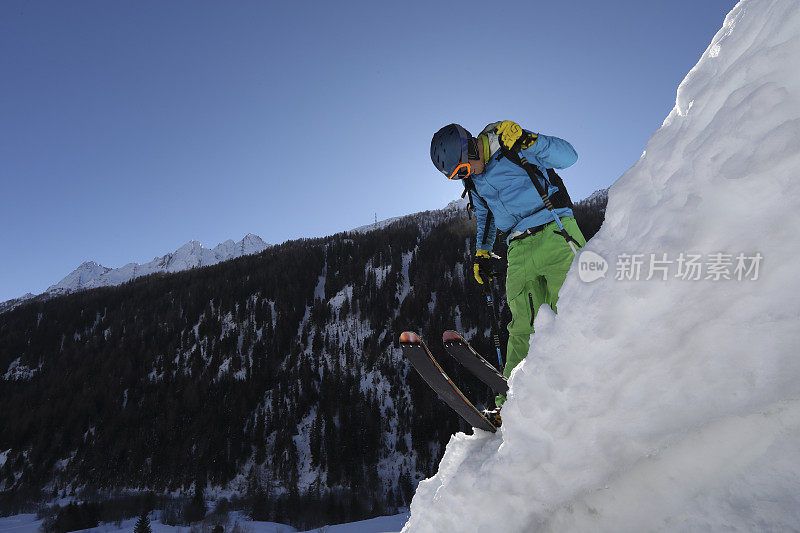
466 355
426 365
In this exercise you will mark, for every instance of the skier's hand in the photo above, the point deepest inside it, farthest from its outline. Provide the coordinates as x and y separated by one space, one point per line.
483 268
511 132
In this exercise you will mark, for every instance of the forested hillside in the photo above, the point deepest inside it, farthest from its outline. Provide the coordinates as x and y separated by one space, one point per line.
276 375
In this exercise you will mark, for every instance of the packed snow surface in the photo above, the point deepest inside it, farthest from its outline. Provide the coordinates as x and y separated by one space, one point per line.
666 404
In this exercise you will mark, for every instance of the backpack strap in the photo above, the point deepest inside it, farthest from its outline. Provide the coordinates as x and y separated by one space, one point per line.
469 190
561 197
468 194
534 173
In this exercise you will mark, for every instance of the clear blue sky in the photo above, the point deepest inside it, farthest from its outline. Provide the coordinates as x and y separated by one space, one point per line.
130 127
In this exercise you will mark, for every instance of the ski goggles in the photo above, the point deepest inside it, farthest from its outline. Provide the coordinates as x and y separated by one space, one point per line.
469 150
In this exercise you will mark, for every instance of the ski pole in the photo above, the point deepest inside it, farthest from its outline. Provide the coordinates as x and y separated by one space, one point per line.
495 329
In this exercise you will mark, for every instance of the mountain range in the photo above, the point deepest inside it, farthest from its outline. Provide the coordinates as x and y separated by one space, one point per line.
193 254
90 274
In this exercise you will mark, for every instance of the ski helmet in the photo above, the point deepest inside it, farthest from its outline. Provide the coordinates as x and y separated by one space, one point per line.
452 146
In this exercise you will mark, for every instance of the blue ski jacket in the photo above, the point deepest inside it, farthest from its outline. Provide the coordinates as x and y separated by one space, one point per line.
506 190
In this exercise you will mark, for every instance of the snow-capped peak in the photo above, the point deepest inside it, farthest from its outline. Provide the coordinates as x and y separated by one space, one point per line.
252 244
87 272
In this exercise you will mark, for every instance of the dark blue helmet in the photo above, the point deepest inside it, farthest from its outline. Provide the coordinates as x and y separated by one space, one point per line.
451 147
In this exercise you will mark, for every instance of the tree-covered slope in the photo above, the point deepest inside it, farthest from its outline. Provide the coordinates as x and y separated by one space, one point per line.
276 374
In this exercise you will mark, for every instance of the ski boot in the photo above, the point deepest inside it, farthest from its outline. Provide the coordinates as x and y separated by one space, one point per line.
493 416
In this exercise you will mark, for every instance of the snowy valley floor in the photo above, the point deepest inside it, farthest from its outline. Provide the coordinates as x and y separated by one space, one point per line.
27 523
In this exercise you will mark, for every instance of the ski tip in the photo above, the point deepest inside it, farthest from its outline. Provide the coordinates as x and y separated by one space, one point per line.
451 336
410 336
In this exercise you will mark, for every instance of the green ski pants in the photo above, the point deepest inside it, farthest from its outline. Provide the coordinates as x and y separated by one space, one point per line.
537 267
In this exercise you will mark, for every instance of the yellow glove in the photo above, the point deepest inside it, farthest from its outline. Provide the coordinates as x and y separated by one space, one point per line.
510 132
483 265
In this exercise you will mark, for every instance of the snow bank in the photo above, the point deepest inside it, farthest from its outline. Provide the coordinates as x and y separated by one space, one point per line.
666 404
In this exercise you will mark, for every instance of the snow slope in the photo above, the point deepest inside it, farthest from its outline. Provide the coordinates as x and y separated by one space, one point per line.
666 405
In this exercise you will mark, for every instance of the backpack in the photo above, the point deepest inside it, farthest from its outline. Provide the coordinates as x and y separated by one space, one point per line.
559 199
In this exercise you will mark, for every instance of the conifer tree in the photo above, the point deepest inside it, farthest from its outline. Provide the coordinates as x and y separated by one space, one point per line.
143 524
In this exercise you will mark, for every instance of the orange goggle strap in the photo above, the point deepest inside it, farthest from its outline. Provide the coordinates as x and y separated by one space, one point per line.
455 175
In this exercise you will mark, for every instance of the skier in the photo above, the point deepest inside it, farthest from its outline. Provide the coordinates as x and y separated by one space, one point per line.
503 195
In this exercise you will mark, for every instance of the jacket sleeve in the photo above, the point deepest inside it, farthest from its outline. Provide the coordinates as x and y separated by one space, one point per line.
551 152
482 213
